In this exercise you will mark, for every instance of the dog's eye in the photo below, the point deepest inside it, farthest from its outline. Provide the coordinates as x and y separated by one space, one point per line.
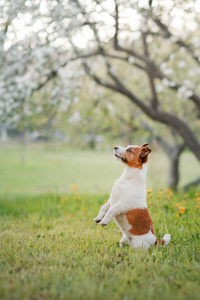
129 150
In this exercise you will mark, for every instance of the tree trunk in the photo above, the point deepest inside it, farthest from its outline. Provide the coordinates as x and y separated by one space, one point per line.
173 175
174 153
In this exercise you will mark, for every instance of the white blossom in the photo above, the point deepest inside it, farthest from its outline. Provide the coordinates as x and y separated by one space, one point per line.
131 59
168 71
159 88
196 42
184 92
166 82
75 118
181 64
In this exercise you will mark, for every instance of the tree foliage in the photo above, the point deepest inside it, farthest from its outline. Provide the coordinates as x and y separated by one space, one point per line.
146 51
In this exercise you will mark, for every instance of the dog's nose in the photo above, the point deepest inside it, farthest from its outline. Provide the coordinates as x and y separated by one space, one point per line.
115 148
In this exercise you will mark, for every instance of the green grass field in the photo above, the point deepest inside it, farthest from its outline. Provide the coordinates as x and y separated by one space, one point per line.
53 168
51 249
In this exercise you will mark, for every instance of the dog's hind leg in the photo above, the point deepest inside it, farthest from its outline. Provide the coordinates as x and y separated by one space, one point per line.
138 244
102 212
124 241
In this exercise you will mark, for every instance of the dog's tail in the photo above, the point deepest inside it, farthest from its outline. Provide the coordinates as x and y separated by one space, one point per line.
165 240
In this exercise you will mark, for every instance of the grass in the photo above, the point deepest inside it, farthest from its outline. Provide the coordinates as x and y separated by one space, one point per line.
53 168
51 249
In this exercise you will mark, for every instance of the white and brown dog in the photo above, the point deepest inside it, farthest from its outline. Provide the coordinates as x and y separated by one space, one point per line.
127 202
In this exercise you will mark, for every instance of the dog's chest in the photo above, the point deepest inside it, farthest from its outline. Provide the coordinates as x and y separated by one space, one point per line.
129 194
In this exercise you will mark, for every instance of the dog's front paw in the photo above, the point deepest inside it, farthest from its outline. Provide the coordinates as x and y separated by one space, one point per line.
97 220
103 224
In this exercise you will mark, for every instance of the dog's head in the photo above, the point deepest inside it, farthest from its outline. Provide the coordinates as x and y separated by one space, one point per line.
132 156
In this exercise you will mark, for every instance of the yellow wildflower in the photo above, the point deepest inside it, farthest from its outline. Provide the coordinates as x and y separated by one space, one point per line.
84 209
105 201
197 207
177 216
159 192
197 199
74 187
181 210
177 204
168 191
149 191
63 199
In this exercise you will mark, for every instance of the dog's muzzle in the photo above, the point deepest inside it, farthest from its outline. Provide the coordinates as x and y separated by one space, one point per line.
119 154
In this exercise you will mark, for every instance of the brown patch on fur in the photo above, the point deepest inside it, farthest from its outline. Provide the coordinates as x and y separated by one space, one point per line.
137 157
157 242
140 220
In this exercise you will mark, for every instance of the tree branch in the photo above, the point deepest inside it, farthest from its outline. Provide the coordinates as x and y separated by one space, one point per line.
154 99
116 42
193 183
159 116
168 34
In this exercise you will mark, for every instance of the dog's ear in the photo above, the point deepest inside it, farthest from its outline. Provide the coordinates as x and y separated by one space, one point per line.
144 145
144 152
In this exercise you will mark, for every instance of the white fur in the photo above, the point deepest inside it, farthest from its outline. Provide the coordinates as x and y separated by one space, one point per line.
167 238
128 192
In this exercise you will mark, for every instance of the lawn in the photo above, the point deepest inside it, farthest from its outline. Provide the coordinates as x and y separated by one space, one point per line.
53 168
51 249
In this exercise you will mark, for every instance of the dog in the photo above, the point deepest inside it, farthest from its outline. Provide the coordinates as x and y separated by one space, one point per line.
127 203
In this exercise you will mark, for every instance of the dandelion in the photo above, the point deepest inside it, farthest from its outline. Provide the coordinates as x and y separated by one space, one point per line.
181 210
177 204
159 192
168 191
149 191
